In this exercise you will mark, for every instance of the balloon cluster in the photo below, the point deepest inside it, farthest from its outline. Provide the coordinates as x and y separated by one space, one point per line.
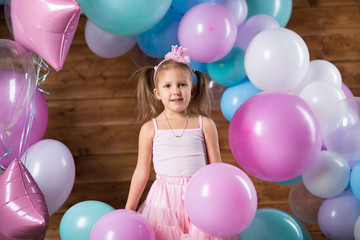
34 187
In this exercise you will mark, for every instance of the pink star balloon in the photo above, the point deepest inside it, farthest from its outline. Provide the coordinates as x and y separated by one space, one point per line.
46 27
23 210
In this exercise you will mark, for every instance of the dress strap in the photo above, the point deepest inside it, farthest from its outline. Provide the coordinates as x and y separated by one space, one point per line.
155 124
200 122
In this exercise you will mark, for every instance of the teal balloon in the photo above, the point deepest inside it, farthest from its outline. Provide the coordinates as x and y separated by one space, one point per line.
125 17
157 41
198 66
278 9
79 220
234 96
230 70
271 223
182 6
291 181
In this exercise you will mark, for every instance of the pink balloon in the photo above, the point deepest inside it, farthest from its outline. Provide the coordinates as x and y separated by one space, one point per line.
122 224
347 91
17 82
274 136
221 200
38 129
52 166
47 29
23 212
209 31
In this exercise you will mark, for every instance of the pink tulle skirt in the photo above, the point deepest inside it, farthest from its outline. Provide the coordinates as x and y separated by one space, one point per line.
164 208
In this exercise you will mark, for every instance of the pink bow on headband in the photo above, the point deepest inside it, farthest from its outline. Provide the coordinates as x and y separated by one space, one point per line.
178 54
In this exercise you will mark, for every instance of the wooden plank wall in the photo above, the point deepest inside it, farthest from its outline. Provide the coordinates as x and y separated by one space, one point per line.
91 106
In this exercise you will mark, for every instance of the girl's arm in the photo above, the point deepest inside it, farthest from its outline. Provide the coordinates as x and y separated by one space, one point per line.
211 140
142 170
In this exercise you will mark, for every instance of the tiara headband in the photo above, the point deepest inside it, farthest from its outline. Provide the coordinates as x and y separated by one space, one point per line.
177 54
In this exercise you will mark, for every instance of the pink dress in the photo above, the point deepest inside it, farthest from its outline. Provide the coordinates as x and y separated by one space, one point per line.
175 160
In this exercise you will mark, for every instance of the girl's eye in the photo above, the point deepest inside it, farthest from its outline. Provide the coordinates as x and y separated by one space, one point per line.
167 86
182 84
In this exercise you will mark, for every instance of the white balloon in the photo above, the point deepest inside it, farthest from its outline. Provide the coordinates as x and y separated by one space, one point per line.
52 166
276 59
319 70
321 96
328 176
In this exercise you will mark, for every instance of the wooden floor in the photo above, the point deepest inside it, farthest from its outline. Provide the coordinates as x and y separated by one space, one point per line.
91 106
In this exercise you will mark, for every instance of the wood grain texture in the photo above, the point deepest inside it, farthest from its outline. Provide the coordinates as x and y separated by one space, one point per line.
92 106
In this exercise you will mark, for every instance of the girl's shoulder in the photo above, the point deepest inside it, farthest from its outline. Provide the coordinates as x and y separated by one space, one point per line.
148 129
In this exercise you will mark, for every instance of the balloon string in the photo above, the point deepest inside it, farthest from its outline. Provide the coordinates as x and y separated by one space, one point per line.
5 142
41 65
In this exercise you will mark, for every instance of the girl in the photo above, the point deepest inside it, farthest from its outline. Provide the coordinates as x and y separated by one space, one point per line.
179 137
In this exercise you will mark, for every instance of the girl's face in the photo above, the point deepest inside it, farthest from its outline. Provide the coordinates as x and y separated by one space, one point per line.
174 89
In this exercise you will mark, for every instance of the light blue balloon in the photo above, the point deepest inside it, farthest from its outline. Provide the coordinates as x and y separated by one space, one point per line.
79 220
278 9
355 180
182 6
271 223
291 181
230 70
157 41
234 96
125 17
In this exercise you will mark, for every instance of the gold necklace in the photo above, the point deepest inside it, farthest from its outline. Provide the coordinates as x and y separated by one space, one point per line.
186 123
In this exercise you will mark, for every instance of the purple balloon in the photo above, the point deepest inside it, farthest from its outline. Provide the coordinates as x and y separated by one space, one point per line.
238 8
52 166
23 212
122 224
107 45
275 136
221 206
252 26
38 129
337 216
208 31
347 91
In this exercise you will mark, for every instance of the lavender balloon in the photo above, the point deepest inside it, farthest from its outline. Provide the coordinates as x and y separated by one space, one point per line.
17 82
238 8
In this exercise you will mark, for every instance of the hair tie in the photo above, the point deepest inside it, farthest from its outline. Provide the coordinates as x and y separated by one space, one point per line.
177 54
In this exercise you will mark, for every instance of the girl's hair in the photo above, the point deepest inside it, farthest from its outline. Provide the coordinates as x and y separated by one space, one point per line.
149 106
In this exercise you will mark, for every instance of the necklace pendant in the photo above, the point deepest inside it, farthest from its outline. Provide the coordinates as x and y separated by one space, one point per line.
177 136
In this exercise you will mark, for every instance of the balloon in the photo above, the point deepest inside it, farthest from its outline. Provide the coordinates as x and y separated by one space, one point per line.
105 44
127 17
38 129
357 229
51 164
79 220
48 29
140 59
208 31
355 180
229 70
252 26
278 9
282 56
347 91
122 224
238 8
156 41
319 70
17 82
337 216
341 131
221 206
182 6
303 204
236 95
23 212
270 223
321 96
274 136
328 176
291 181
199 66
216 91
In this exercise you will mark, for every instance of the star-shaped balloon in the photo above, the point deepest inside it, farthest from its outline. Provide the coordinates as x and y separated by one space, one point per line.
46 27
23 210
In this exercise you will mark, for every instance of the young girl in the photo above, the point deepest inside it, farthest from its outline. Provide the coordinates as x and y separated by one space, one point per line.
179 137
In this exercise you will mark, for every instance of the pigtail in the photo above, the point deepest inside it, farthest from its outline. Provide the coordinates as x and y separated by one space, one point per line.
148 104
201 99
